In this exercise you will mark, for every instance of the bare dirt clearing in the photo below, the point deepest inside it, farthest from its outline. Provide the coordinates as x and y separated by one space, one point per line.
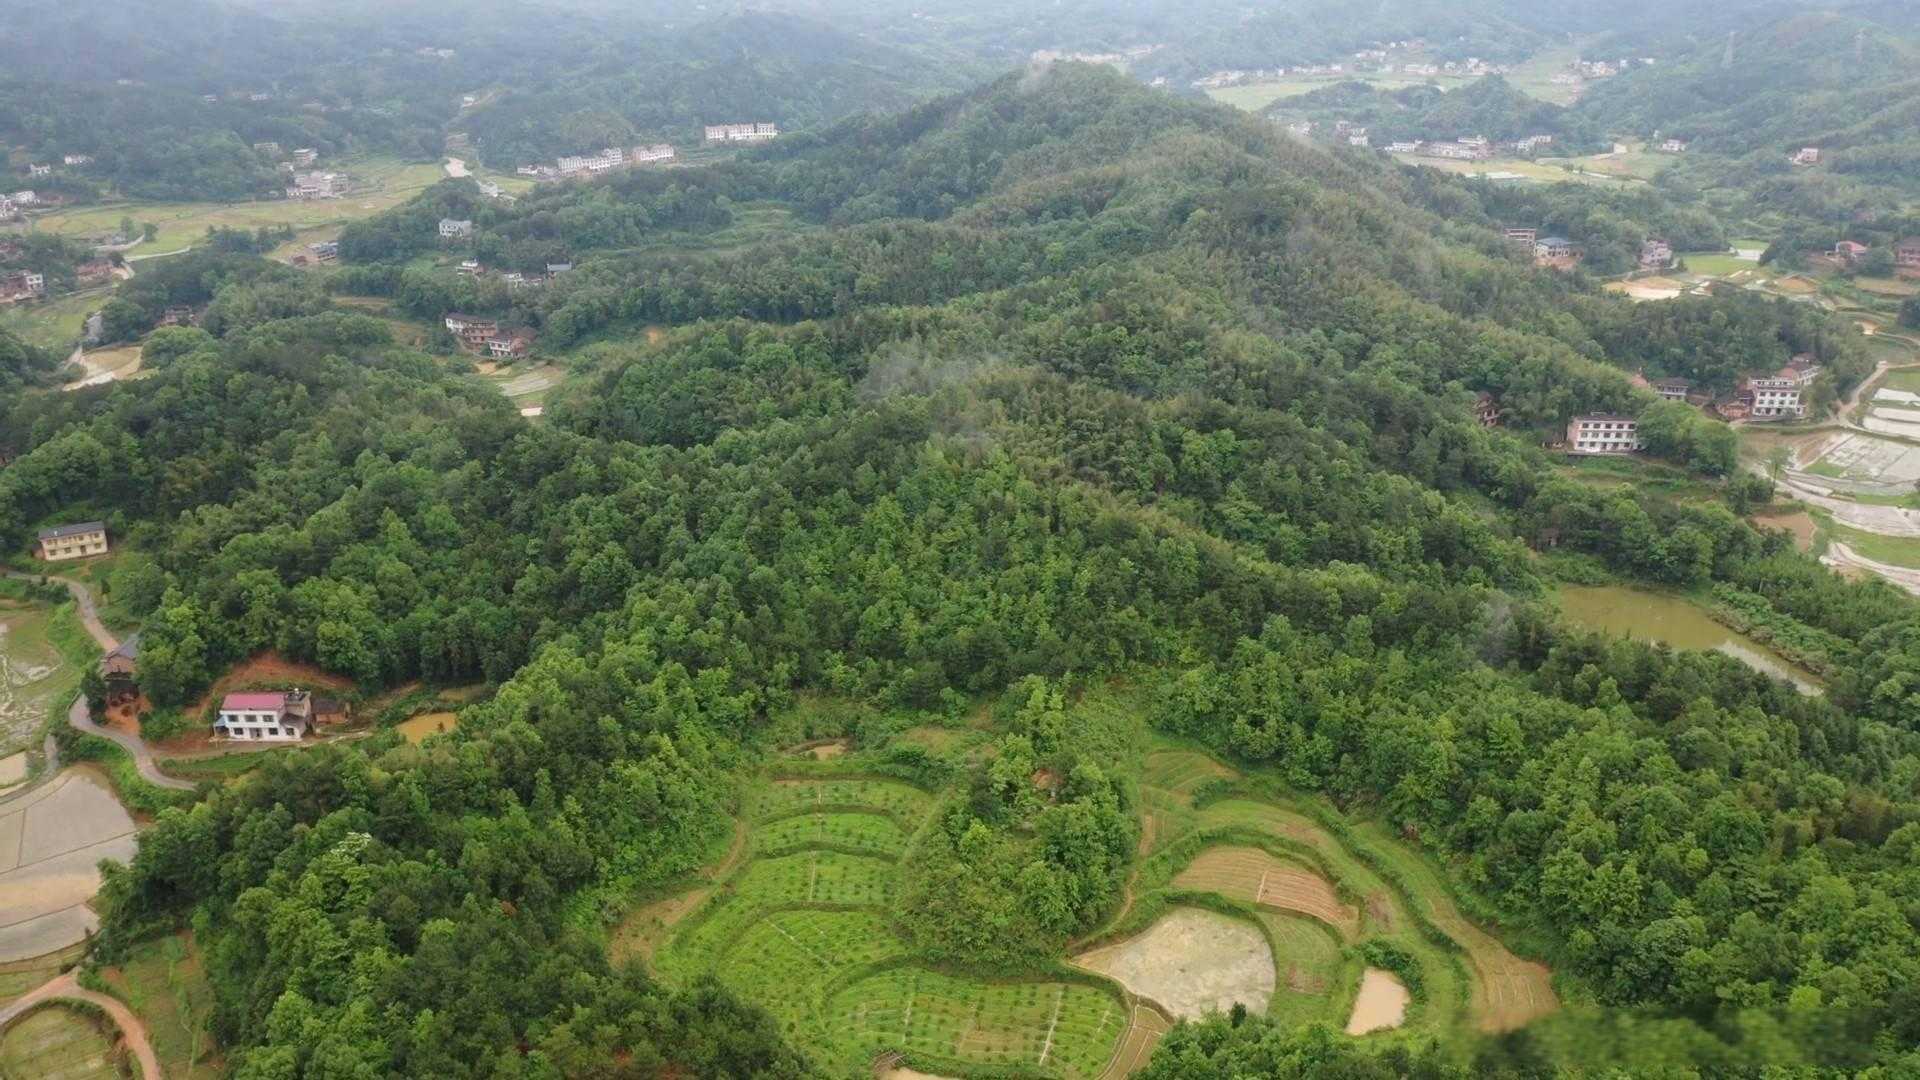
1192 962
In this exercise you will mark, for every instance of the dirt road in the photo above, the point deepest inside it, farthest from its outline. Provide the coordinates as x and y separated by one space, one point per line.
66 988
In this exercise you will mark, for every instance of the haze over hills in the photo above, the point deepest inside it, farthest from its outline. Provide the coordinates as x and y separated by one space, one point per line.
1034 576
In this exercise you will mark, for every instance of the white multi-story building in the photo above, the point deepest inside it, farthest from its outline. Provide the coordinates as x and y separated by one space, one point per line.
645 155
455 229
748 133
317 185
1777 397
1603 433
276 716
574 164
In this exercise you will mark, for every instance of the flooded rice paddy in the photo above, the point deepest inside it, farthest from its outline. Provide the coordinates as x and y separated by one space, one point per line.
51 841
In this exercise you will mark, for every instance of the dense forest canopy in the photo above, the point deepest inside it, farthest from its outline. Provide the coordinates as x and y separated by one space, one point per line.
1056 379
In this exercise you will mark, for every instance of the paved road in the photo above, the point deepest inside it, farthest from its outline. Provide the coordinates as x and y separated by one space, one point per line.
80 716
66 987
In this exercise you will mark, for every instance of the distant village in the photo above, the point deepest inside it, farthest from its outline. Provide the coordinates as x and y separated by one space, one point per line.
1391 58
572 166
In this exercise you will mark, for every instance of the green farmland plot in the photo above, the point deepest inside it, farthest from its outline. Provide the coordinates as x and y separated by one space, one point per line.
803 929
1060 1028
862 833
786 797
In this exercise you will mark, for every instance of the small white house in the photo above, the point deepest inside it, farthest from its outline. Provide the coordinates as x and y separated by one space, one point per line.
451 229
275 716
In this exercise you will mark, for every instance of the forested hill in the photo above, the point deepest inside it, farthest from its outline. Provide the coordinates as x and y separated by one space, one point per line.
1060 378
1490 107
93 78
1846 82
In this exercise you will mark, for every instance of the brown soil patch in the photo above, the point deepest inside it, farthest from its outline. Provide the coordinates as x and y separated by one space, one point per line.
1801 526
1257 877
656 335
1380 912
269 669
642 932
825 751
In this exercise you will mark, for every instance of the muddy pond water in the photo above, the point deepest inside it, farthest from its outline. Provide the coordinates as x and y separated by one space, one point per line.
1650 616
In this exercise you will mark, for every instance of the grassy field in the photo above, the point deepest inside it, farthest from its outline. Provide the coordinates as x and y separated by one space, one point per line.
1534 77
1892 550
163 982
1254 97
1542 171
56 1041
1715 263
20 976
381 183
55 324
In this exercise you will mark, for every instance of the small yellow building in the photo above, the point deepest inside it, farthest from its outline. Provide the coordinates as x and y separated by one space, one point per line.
73 541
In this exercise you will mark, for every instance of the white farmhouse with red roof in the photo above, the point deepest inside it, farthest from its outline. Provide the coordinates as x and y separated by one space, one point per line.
283 715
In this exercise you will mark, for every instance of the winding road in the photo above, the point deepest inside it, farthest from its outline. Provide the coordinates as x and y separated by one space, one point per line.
67 988
80 716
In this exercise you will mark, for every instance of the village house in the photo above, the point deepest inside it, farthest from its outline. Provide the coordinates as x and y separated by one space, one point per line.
1553 247
39 170
748 133
305 156
458 324
556 269
25 198
455 229
93 272
8 210
1807 156
269 148
645 155
1847 252
118 668
1671 389
328 711
611 158
274 716
510 344
1603 433
325 250
1486 409
1906 254
1523 238
78 541
1404 147
1656 255
317 185
1674 146
22 285
179 316
470 267
491 190
77 160
1776 397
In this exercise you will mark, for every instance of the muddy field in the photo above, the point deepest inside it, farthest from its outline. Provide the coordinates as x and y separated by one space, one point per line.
51 840
32 674
1192 962
1800 526
1382 1003
418 728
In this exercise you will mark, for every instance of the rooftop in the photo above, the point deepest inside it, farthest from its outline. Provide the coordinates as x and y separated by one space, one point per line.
61 531
253 702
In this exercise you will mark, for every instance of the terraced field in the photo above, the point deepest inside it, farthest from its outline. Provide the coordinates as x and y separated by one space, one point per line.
1328 894
802 927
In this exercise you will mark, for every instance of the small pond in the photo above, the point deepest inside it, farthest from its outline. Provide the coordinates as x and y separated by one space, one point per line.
1675 621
